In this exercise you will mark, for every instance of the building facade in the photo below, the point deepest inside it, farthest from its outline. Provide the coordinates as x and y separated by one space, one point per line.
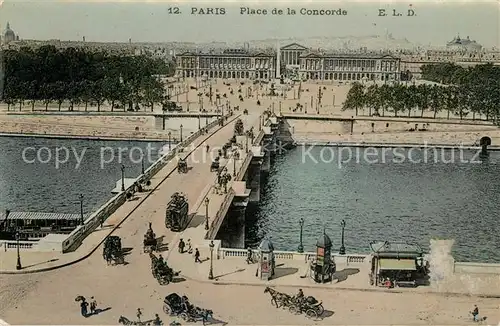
349 67
242 63
236 63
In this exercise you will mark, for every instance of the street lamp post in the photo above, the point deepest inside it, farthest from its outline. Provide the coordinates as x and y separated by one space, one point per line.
81 208
169 143
142 165
211 272
301 246
18 265
207 201
199 121
342 246
234 163
181 132
123 177
246 143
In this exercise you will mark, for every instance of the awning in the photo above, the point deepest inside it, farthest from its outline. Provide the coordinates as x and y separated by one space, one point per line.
397 264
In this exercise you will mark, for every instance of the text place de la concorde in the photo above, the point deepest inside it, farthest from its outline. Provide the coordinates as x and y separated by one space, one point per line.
248 11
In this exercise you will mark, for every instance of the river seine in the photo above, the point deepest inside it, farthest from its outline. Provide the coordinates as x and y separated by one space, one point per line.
449 197
54 172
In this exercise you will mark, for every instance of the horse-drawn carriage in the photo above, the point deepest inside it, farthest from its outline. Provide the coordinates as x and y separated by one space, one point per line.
175 305
112 250
296 304
239 128
176 215
161 271
215 165
182 166
150 242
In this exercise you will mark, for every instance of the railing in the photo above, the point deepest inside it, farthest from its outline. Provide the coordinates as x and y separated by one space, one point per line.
293 255
476 268
244 166
75 238
221 213
12 244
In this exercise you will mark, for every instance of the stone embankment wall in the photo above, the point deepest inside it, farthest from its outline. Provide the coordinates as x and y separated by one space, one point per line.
390 132
137 127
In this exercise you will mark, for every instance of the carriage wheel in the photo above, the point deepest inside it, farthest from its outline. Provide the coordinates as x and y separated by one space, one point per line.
166 281
184 316
311 313
320 310
293 309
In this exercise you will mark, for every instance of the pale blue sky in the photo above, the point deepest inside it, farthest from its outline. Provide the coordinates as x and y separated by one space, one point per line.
149 21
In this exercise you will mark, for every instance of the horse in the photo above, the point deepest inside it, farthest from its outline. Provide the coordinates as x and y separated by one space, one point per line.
125 321
277 297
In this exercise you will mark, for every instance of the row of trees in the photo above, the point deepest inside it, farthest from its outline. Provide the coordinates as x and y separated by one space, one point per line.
48 74
461 92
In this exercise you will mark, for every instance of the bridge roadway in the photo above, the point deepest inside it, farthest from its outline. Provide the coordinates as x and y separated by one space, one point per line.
196 182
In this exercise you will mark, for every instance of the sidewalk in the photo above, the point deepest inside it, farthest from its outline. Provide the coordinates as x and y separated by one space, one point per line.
42 261
294 274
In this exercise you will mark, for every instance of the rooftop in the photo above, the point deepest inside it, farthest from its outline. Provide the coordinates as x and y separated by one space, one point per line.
396 248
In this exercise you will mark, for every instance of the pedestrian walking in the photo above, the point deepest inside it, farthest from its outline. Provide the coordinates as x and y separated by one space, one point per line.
189 247
197 256
139 314
475 313
93 306
181 246
83 308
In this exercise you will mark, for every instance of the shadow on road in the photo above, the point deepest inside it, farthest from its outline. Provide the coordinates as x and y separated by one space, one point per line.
284 271
41 263
342 275
98 311
236 271
196 220
178 280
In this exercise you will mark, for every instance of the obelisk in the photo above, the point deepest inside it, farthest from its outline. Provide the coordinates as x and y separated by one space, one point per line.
278 60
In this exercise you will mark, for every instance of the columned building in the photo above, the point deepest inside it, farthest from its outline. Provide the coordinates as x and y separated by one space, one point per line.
349 67
290 54
235 63
241 63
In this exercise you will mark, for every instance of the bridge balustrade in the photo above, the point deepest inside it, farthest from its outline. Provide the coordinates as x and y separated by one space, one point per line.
293 255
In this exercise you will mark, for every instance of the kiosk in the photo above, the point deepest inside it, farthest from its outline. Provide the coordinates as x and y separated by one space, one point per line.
265 269
323 268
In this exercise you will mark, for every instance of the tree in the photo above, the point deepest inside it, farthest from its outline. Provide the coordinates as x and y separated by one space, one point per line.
355 98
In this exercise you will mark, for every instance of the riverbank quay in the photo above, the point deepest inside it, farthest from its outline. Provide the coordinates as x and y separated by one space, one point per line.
229 267
64 136
137 211
396 145
141 127
413 132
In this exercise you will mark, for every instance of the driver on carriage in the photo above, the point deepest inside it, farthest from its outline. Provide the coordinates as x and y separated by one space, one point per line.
186 306
300 296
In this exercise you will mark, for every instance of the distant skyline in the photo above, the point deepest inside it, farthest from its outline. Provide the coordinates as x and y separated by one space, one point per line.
117 21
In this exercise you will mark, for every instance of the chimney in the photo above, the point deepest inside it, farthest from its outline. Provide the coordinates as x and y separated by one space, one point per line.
7 213
84 39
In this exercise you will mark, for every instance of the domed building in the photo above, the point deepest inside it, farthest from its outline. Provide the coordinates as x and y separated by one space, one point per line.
9 35
463 45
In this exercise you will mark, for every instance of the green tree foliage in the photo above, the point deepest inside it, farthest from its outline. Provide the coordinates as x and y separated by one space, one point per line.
75 76
461 91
